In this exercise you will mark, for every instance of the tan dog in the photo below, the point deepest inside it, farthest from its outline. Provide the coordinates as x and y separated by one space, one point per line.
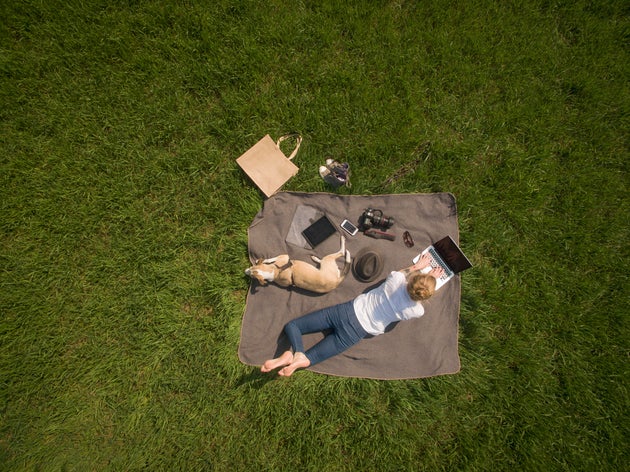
285 272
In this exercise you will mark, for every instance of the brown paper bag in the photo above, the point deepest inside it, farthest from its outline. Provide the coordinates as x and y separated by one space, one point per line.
267 165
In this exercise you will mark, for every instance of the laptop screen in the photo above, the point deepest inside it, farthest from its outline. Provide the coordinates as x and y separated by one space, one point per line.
452 254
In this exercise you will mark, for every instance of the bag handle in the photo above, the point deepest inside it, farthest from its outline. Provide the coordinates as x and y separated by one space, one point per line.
298 141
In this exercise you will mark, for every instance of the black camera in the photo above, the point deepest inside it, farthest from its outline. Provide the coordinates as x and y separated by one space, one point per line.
374 218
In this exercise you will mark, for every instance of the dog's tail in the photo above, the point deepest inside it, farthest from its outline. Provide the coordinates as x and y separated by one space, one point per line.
346 265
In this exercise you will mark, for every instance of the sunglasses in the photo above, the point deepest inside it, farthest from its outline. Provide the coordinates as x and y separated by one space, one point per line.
408 239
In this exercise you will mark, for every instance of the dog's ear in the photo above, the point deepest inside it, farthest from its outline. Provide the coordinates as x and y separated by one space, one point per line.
258 261
260 278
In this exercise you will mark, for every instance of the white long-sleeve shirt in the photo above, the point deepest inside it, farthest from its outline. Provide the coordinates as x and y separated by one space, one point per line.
387 303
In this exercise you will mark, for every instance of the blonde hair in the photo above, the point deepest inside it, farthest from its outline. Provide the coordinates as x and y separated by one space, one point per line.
420 286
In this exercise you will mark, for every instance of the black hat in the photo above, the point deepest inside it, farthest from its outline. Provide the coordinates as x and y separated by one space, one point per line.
367 265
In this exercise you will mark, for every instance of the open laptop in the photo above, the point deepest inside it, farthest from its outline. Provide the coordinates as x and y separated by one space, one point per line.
446 253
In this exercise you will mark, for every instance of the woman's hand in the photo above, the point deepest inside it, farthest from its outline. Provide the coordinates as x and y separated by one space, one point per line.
437 272
424 262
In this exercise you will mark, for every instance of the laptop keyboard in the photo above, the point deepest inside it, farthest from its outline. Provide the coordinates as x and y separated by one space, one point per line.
436 261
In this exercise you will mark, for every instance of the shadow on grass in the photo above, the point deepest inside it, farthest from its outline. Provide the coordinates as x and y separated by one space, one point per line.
257 379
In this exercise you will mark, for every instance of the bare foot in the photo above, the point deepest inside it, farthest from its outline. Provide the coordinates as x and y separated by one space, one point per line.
300 361
285 359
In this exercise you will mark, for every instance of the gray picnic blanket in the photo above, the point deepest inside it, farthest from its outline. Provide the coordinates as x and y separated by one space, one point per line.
422 347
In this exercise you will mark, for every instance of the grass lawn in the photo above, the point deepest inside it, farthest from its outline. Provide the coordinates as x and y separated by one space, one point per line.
124 228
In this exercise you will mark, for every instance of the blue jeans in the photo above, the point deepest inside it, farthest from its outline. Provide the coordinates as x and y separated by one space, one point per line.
341 319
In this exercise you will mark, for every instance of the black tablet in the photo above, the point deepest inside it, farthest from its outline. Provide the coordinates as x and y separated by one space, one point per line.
319 231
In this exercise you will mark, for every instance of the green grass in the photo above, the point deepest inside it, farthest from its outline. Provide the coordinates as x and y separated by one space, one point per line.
124 228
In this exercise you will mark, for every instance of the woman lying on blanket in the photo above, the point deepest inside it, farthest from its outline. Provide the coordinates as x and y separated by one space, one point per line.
398 298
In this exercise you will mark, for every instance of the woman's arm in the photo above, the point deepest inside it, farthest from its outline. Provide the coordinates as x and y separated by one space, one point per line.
423 263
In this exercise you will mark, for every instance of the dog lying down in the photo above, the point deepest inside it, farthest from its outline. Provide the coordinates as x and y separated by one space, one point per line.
285 272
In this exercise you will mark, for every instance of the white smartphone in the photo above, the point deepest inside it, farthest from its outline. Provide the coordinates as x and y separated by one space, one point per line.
349 227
